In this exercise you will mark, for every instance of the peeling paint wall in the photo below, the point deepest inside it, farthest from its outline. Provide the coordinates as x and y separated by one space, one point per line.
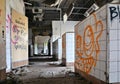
19 39
2 36
97 44
18 5
59 28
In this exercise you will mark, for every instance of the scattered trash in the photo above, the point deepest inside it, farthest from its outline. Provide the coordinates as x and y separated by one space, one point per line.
11 79
70 74
20 71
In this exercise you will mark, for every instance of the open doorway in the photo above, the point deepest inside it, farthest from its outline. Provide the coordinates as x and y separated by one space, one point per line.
41 45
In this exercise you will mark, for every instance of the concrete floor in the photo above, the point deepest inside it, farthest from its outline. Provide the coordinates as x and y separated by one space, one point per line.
47 73
58 80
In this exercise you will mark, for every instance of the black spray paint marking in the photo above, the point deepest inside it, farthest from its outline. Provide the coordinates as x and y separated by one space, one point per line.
23 47
114 12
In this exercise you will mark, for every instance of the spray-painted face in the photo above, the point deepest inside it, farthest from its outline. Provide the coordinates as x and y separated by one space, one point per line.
87 46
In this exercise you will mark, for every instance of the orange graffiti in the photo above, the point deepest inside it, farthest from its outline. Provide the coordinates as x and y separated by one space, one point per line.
87 47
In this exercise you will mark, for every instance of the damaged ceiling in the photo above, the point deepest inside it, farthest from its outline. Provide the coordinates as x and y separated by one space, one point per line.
42 12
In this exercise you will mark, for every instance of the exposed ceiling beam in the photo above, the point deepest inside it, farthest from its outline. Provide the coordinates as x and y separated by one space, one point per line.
44 8
80 8
77 14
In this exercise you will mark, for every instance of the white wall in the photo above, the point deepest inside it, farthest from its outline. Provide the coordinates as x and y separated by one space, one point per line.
98 44
2 36
18 5
91 50
70 47
60 48
114 43
59 28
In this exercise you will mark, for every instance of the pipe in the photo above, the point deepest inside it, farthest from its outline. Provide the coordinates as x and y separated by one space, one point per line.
115 1
44 8
28 3
60 22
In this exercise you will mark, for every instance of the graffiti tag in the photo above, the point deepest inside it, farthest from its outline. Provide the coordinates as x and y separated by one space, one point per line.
15 38
114 12
87 46
8 21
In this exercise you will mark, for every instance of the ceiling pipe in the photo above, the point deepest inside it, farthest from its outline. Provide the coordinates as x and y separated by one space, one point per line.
80 8
44 8
28 3
115 1
93 8
57 2
60 23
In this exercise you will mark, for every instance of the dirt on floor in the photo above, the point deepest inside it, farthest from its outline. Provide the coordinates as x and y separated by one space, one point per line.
57 80
45 73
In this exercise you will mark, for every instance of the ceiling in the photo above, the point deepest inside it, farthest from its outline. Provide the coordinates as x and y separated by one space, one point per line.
42 12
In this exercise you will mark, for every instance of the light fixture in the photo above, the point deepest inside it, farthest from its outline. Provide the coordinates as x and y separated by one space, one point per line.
93 8
37 10
65 17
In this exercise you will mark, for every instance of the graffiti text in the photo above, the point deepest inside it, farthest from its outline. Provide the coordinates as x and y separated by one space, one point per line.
114 12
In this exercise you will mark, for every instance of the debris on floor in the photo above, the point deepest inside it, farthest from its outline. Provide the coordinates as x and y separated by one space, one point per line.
11 79
45 73
20 70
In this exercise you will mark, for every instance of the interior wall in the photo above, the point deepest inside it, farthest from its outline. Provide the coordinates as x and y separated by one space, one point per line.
2 36
91 48
57 49
18 5
68 50
19 39
30 36
59 28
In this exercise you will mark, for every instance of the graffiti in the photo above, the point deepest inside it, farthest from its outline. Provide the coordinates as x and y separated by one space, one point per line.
87 46
15 38
14 29
17 33
8 22
114 12
8 19
20 47
18 37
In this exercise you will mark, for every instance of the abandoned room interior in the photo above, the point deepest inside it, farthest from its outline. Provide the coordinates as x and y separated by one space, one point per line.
59 41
